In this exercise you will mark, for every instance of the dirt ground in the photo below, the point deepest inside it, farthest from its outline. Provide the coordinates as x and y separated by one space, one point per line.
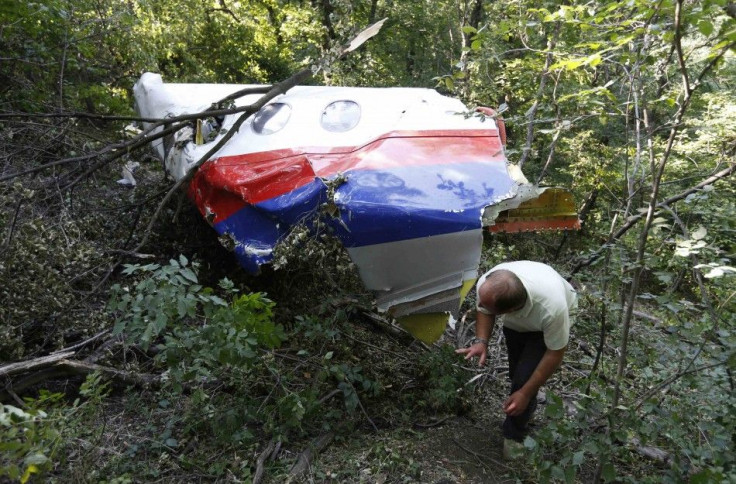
454 450
463 451
458 451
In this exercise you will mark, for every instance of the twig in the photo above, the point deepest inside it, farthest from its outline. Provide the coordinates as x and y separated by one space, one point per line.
540 91
362 408
64 368
83 343
32 365
123 152
158 121
650 452
8 240
119 149
128 253
15 397
365 343
334 392
384 325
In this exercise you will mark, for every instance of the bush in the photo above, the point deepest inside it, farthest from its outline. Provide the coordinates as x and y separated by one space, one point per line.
198 335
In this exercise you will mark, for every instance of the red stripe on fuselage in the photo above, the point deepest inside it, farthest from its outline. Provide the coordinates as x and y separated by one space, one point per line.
224 185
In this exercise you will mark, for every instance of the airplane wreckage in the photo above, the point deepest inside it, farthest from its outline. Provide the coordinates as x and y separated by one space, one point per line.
407 180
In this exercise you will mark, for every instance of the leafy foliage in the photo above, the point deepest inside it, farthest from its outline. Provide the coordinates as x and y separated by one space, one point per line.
201 336
32 437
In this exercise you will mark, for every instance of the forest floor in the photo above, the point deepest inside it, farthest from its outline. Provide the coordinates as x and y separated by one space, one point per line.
460 450
465 448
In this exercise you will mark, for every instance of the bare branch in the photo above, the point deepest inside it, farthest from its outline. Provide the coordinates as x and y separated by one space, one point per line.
65 368
305 458
632 221
540 91
118 149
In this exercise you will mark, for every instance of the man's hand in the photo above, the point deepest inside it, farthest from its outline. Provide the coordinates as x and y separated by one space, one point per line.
516 403
478 349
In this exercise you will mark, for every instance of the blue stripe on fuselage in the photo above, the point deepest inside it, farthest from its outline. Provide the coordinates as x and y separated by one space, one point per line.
378 206
375 206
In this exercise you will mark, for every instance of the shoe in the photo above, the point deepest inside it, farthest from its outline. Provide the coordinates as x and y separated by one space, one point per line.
513 450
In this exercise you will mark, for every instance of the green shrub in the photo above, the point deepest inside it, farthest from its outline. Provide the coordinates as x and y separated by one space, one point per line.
198 335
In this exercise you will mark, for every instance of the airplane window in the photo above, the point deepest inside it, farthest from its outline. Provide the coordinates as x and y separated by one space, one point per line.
271 118
340 116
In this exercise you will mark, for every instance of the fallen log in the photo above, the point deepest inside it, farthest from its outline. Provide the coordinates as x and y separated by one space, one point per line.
267 452
653 453
47 368
304 460
21 367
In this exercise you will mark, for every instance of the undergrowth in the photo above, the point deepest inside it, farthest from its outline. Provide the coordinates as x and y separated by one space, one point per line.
229 380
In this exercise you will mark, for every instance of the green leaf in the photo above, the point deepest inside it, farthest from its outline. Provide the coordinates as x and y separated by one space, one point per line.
705 27
146 336
530 443
181 307
608 472
118 328
554 408
189 274
569 65
37 459
702 477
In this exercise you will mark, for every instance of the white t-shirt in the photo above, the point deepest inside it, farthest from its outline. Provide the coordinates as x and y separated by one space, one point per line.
550 301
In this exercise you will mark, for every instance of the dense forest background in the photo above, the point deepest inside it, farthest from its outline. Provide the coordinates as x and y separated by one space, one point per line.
108 374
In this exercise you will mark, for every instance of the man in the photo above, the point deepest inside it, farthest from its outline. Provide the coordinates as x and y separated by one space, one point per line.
534 303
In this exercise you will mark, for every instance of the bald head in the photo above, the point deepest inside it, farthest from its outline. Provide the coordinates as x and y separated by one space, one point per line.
502 292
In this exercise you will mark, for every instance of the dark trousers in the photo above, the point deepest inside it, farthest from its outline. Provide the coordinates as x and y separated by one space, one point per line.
525 352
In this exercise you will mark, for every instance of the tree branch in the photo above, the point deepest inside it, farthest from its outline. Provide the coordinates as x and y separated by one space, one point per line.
540 92
56 366
631 221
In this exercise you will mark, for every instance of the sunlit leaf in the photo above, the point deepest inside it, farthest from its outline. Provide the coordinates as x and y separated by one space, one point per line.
700 233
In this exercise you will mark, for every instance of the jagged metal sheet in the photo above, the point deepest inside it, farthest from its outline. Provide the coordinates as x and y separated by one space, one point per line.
553 209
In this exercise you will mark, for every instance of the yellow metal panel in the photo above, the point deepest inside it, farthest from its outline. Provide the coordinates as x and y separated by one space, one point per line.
426 327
